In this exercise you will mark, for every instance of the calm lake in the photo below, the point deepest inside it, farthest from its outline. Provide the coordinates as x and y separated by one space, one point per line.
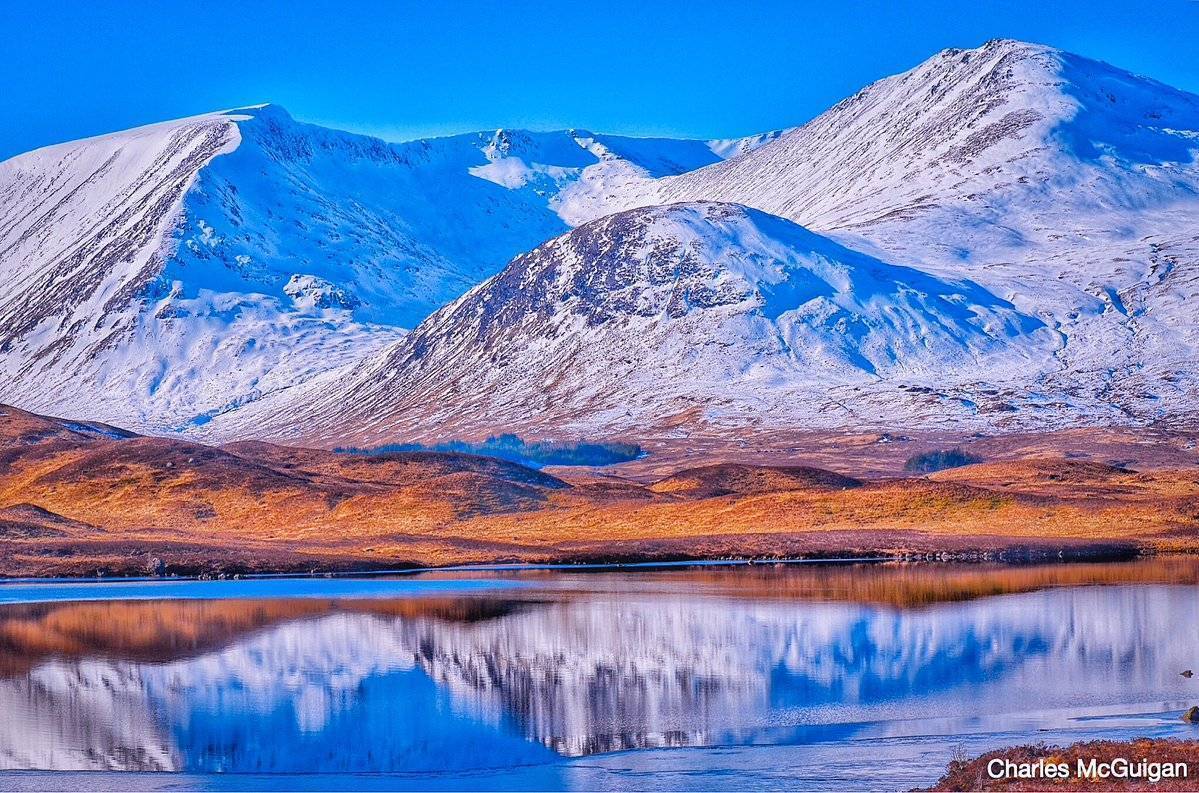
786 676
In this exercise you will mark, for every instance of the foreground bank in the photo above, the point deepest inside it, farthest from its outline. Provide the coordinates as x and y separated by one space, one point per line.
1143 764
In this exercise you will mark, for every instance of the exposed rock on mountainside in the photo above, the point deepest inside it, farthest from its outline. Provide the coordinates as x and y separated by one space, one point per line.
630 320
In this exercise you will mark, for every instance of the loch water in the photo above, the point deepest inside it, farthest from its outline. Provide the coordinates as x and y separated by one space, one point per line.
782 676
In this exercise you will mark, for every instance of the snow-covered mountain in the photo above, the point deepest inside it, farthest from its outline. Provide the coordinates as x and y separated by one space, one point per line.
1005 127
173 276
170 273
1065 185
632 320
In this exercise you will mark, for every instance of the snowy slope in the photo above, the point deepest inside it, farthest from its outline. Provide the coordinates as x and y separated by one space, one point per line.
1007 126
1066 185
584 176
401 228
111 315
630 321
175 272
173 276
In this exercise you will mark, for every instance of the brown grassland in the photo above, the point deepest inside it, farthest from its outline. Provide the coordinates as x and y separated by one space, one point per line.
75 501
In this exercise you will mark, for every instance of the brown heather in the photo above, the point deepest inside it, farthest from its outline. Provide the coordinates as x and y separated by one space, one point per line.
73 503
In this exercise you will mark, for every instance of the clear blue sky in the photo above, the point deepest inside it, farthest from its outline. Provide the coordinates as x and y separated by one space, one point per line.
409 69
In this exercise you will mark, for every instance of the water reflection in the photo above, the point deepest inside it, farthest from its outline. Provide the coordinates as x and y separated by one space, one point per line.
572 667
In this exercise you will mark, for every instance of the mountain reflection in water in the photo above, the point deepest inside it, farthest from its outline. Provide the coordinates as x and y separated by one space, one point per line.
581 664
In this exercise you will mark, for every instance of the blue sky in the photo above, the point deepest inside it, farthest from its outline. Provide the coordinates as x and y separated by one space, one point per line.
402 70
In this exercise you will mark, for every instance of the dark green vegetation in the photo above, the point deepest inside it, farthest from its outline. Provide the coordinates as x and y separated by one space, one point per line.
931 462
511 447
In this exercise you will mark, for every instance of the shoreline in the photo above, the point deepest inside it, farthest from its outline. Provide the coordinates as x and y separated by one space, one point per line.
1015 556
960 564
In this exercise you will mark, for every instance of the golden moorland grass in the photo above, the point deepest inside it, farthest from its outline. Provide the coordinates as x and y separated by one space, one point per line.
76 503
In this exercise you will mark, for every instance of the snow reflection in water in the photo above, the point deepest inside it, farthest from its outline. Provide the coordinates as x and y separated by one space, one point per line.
443 685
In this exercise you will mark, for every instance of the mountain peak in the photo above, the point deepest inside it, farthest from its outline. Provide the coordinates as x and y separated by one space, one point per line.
1032 188
631 319
1014 45
1007 115
260 106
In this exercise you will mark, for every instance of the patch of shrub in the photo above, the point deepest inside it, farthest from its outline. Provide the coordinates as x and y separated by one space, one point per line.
931 462
513 448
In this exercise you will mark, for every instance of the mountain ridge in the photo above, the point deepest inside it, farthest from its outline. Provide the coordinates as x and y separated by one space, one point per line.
249 252
172 276
627 321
